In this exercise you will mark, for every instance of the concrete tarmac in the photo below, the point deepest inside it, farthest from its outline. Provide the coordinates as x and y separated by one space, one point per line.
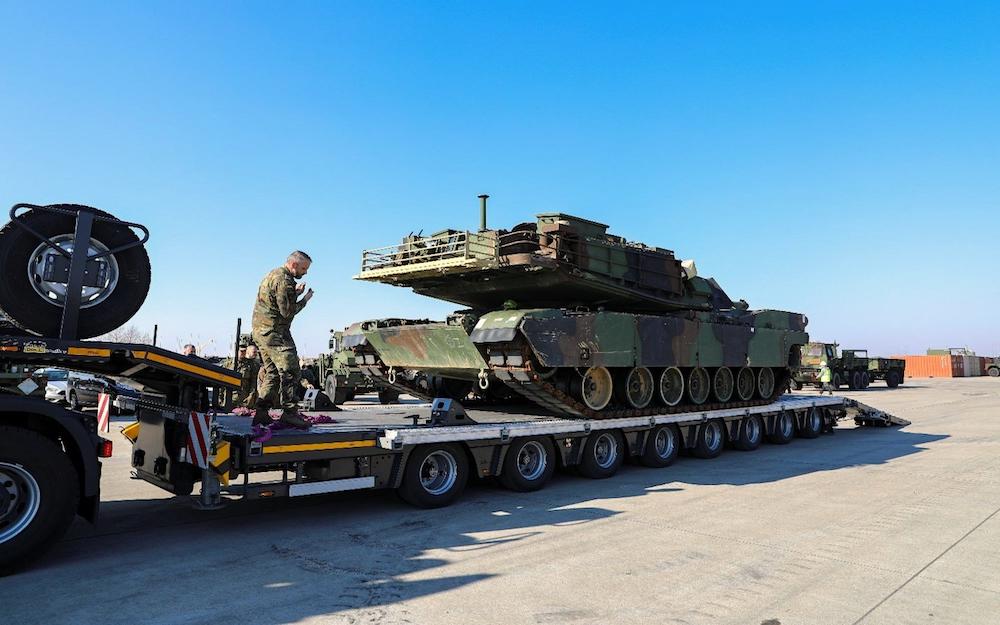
868 525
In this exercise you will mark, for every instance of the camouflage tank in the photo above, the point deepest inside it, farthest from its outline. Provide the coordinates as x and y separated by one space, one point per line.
583 322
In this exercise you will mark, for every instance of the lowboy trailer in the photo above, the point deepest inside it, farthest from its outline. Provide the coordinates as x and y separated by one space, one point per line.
50 468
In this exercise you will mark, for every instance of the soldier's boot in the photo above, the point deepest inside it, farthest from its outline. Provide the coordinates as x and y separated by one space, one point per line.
261 416
294 419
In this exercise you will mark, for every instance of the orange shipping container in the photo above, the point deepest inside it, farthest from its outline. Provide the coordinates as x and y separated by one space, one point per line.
933 366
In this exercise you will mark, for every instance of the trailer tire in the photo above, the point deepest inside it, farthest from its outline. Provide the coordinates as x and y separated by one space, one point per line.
812 423
711 439
663 443
529 464
435 475
603 454
892 379
784 428
751 434
41 480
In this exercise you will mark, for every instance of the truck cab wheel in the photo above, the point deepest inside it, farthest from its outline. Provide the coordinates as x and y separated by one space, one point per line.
892 379
435 475
39 491
855 381
528 464
837 381
865 380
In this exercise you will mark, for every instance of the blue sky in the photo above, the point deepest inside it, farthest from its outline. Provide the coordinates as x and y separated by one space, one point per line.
837 159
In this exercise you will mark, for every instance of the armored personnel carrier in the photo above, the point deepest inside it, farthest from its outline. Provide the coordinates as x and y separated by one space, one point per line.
583 322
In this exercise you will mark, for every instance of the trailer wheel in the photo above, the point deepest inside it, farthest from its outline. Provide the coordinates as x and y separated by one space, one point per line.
435 476
711 440
529 464
812 424
603 454
39 491
336 392
892 379
751 434
663 443
784 428
36 304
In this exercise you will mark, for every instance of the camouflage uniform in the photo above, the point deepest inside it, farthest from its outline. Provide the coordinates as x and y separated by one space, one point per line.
249 368
272 320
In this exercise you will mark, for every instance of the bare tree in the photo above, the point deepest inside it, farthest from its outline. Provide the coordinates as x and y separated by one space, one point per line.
127 334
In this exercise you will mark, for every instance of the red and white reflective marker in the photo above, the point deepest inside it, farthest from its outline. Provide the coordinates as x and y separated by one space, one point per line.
198 438
103 412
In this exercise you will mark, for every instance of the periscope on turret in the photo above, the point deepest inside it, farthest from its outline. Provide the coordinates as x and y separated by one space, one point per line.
583 322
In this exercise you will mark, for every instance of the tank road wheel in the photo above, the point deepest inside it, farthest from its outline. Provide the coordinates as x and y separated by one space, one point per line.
784 428
765 382
699 385
812 424
671 386
751 434
855 382
662 446
837 381
746 382
723 384
39 491
529 464
596 388
892 378
34 300
435 475
603 454
711 439
865 379
638 389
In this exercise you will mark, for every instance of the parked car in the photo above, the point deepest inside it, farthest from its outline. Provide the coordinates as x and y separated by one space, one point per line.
79 390
55 386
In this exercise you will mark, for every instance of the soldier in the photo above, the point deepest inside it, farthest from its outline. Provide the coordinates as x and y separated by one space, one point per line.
272 320
248 368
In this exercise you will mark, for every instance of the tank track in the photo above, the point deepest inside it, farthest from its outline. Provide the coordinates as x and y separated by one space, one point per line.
526 381
381 374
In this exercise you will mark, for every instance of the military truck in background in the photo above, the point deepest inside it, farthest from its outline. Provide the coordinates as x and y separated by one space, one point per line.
992 367
890 370
852 367
339 373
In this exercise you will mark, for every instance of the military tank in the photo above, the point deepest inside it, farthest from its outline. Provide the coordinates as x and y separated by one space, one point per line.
583 322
